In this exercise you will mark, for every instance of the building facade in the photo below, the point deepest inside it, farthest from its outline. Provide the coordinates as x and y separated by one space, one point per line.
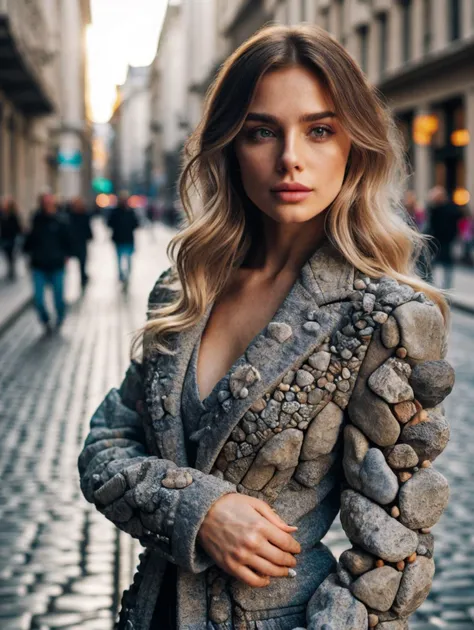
170 104
130 128
43 100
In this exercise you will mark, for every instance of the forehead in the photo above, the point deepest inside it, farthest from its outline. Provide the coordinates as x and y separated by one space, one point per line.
293 90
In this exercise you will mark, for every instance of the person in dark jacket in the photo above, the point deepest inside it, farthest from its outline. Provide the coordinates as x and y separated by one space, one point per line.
123 223
443 218
10 230
49 244
81 234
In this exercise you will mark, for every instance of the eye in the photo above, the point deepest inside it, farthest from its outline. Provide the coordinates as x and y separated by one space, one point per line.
321 132
260 133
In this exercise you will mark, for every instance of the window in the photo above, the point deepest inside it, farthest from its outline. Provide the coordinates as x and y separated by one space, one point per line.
427 26
383 36
406 29
363 46
454 8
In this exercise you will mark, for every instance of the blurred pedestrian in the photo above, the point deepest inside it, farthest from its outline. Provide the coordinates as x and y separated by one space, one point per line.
123 223
10 231
416 217
49 245
414 210
443 218
466 234
81 234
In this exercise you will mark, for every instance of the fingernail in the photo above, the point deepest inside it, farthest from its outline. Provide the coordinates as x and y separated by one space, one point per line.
291 573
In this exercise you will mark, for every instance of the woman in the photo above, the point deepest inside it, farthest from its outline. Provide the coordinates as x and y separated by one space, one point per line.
10 231
293 291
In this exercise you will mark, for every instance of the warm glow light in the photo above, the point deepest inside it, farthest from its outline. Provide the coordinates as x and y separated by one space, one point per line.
123 33
424 126
460 138
103 201
461 196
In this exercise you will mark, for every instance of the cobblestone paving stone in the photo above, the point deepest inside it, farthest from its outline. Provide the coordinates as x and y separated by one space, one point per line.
58 556
450 604
59 566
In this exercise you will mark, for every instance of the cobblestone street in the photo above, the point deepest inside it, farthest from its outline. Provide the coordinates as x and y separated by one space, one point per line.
62 565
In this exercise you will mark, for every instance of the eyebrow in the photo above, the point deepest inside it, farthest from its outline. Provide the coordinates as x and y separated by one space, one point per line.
260 117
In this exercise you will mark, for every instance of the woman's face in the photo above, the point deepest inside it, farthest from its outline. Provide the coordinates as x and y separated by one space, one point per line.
292 137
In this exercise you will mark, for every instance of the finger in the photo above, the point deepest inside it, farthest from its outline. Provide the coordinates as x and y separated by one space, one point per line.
246 575
265 510
276 556
266 568
280 539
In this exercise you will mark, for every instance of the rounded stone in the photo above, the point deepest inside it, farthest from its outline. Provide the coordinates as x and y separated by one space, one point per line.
404 411
423 499
357 561
428 439
378 481
333 606
279 331
311 327
320 360
432 381
304 378
422 330
377 588
401 456
356 446
415 586
390 382
321 435
390 333
370 527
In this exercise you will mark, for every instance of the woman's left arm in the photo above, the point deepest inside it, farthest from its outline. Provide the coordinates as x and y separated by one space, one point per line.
392 495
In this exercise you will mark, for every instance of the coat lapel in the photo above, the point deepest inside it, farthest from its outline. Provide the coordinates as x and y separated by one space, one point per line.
312 310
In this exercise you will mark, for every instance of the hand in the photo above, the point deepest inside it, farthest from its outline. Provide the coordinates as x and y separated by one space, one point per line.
247 539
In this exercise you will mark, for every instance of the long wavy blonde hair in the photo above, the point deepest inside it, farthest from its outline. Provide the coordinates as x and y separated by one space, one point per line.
364 221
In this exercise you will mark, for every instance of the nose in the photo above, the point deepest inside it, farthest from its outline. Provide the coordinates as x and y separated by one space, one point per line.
290 158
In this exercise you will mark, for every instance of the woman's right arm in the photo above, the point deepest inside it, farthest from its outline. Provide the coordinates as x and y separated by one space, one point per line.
166 506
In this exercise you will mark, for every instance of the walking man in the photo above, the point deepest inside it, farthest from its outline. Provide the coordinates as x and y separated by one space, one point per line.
123 223
81 234
49 245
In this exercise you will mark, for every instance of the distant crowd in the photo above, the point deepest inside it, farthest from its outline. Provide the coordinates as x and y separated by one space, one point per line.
57 233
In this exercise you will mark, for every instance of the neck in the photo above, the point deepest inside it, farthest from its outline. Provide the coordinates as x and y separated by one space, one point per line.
286 248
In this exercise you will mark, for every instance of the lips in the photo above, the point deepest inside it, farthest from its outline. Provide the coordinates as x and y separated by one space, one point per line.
291 187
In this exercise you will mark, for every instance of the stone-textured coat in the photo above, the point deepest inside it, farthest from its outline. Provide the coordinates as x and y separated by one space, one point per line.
348 377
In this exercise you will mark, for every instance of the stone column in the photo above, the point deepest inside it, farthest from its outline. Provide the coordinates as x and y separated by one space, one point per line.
422 163
394 38
469 105
440 24
467 18
418 28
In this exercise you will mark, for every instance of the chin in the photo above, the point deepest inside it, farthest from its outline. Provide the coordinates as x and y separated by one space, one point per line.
293 213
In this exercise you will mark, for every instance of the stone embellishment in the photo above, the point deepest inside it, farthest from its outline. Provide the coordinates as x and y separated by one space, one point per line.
279 331
243 378
176 479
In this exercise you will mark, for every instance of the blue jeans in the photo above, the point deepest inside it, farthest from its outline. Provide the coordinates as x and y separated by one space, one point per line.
55 279
124 255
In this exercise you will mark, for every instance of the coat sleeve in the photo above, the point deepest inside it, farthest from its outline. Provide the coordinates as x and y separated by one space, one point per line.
391 494
150 498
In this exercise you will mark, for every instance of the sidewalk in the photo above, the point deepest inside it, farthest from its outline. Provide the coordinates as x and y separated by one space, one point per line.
462 294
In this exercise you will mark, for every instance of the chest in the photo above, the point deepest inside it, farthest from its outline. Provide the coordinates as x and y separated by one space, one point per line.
234 321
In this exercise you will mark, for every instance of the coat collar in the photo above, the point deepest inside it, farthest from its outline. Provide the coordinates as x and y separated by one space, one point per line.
311 311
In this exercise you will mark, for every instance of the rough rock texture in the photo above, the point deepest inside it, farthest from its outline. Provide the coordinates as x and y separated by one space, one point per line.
422 330
310 473
390 333
333 606
369 526
380 425
390 381
397 624
357 561
432 381
378 481
279 331
321 435
377 588
428 439
356 446
401 456
423 498
415 586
